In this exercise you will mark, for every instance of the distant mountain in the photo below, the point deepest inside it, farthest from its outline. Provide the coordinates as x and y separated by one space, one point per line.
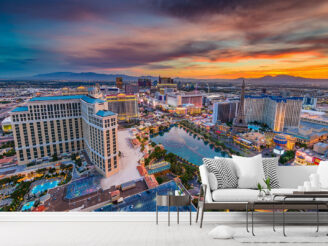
270 81
88 76
286 80
94 77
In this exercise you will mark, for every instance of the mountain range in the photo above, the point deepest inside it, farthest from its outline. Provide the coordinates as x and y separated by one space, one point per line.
91 76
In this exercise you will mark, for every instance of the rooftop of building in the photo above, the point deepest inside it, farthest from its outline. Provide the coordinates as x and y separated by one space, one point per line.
274 98
311 153
311 115
68 97
312 125
128 184
104 113
188 105
121 95
322 144
306 132
20 109
55 98
92 100
6 120
225 102
312 112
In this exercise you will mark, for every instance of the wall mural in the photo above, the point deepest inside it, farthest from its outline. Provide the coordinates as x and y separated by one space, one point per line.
104 104
73 153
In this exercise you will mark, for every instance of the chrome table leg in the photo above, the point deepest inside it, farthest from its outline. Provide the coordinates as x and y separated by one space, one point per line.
168 215
247 217
317 217
273 218
253 221
190 213
283 217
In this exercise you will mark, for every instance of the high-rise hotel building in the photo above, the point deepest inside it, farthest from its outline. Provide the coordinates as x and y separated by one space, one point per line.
278 113
224 111
64 124
179 99
124 105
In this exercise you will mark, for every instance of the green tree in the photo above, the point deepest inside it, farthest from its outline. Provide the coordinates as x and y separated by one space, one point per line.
159 180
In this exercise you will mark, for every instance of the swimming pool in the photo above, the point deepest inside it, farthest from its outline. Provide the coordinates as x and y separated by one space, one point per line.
82 187
144 201
27 206
44 186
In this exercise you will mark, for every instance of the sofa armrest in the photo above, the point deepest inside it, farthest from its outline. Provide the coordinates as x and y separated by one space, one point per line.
204 177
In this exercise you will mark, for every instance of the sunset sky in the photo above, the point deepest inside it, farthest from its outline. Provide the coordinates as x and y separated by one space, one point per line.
178 38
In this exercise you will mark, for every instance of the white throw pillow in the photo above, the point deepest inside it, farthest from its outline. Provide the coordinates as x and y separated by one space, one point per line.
323 174
213 182
222 232
249 171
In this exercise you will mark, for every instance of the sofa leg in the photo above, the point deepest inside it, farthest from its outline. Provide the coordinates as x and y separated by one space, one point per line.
202 216
197 213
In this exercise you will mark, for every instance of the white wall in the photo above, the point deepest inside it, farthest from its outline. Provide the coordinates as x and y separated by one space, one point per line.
292 176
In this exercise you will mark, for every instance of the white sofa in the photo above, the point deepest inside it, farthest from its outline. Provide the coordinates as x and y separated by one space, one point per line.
237 199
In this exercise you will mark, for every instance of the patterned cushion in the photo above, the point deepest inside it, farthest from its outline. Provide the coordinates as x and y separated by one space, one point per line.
270 171
223 171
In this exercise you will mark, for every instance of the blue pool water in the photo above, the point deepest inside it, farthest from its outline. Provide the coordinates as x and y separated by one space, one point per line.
187 145
44 186
144 201
82 187
27 206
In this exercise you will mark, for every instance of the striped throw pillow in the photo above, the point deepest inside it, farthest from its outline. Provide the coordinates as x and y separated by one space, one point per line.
223 171
270 171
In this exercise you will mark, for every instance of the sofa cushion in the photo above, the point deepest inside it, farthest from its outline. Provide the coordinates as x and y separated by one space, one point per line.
234 195
249 171
323 174
212 181
242 195
223 172
203 171
270 167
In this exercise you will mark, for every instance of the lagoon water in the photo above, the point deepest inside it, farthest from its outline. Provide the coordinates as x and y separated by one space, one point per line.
187 145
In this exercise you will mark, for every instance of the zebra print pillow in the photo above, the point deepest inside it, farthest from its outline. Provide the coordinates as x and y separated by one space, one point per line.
270 171
223 172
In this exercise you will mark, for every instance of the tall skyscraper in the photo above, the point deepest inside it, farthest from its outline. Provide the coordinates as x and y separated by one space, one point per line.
224 111
131 88
179 99
239 123
165 80
125 105
64 124
293 112
309 102
119 82
277 112
144 83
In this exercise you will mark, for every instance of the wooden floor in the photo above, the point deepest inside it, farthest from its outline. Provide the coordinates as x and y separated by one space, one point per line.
79 233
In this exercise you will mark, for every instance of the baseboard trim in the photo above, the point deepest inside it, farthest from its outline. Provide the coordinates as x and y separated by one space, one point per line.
217 217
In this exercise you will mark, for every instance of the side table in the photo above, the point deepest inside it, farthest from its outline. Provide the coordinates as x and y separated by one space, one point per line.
173 201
